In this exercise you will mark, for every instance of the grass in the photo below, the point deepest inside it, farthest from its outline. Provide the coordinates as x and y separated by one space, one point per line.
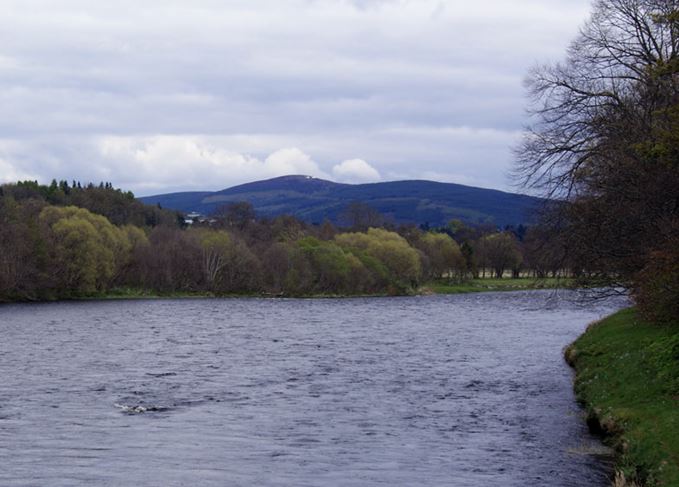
493 284
627 377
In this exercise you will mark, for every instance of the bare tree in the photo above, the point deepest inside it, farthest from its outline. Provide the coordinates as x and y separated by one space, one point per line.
605 137
620 73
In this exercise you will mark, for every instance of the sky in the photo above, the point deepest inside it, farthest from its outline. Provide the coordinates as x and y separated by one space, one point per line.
166 95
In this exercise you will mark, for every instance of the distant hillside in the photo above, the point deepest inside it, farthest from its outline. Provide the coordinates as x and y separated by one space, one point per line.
313 200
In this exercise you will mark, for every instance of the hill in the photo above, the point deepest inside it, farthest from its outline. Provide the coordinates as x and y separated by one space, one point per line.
313 200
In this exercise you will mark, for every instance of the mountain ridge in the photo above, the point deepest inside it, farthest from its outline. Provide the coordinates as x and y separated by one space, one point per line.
407 201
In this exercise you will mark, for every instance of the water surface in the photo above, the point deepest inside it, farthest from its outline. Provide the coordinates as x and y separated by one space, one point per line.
465 390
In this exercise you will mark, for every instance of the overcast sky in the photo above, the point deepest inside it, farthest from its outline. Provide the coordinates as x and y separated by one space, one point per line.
164 95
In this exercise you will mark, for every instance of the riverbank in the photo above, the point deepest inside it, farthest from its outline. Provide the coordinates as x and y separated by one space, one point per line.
494 285
438 287
627 378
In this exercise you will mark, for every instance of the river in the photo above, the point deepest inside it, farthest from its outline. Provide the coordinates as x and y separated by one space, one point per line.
462 390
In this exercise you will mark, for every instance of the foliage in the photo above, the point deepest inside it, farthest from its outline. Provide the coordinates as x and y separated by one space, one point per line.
401 261
117 206
51 250
85 249
330 265
443 257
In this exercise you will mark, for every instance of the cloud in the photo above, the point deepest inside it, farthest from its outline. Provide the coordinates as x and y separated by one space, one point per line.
162 161
11 174
291 161
355 171
159 94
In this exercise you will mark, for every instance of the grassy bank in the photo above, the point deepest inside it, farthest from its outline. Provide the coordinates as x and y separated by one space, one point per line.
506 284
627 377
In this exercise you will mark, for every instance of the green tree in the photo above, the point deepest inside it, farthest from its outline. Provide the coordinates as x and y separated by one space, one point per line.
228 265
86 249
443 255
390 249
329 263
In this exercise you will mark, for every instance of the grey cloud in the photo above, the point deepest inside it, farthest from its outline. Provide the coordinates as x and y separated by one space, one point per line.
411 87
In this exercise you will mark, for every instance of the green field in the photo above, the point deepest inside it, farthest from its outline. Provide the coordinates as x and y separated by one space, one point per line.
627 377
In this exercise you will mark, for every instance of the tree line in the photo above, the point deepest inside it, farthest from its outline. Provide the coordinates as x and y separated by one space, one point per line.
71 240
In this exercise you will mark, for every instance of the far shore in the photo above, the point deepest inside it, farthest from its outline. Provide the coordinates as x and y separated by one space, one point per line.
431 288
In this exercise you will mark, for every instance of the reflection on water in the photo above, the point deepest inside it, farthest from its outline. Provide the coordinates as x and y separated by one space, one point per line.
466 390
